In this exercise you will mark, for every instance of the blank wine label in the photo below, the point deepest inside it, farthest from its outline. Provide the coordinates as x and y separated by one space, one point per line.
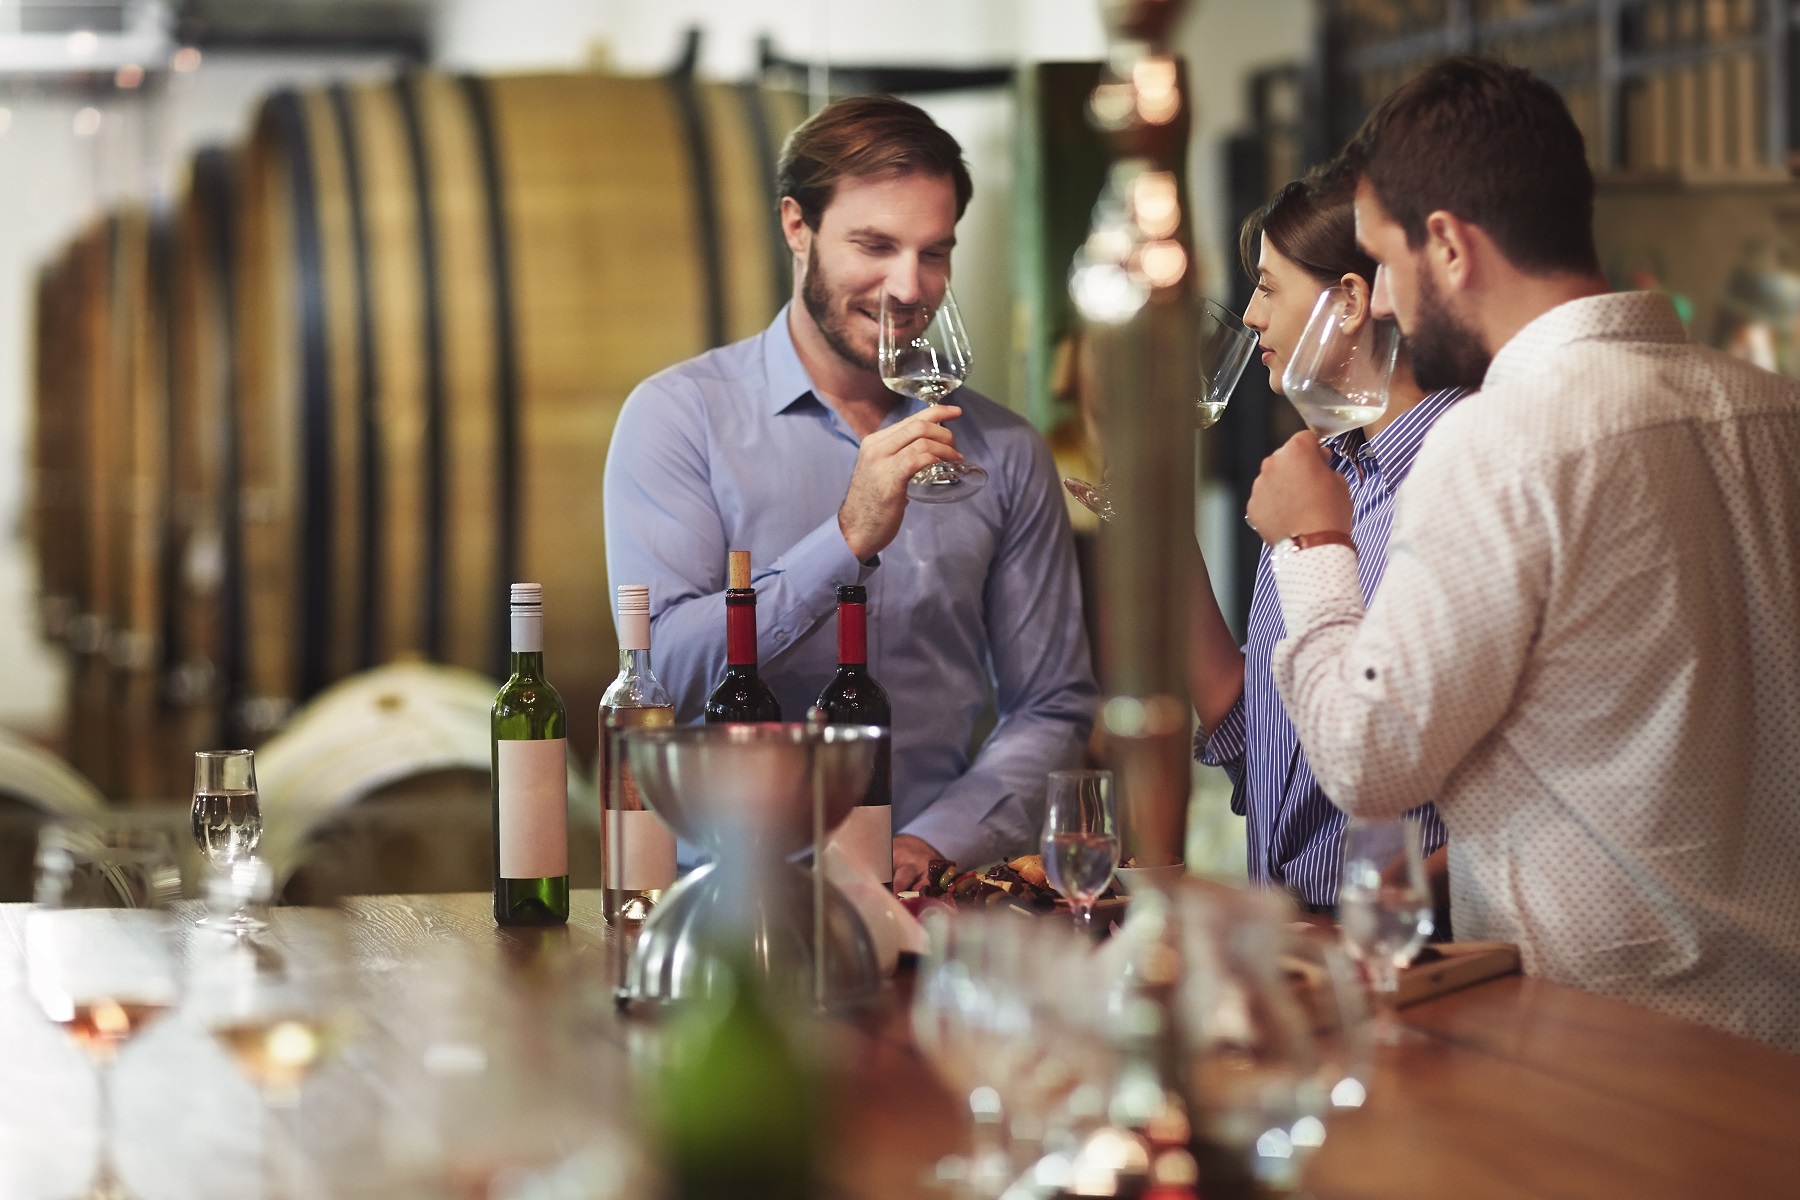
867 838
640 851
534 809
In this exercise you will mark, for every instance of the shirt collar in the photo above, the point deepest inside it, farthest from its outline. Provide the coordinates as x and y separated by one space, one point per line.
1395 447
1614 317
788 381
786 376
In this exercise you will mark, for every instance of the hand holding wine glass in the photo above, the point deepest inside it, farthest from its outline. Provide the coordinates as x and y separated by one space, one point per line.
1384 908
924 353
1339 374
1081 838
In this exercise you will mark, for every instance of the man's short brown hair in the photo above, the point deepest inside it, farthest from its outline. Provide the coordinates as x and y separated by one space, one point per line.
1493 145
861 137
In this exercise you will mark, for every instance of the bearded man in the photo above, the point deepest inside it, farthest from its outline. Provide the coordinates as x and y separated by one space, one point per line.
789 446
1586 648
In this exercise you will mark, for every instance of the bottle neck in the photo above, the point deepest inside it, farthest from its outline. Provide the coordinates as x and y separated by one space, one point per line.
740 629
528 664
528 644
853 635
635 664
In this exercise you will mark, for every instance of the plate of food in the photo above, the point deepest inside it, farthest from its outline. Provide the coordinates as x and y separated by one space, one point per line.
1020 884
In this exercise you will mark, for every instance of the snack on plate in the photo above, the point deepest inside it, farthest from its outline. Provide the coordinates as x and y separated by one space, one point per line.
1021 883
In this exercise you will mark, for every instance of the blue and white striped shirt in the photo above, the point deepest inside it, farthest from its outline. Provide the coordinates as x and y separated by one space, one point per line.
1295 833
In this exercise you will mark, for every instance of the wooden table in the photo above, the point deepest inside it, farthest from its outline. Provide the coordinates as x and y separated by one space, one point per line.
1519 1088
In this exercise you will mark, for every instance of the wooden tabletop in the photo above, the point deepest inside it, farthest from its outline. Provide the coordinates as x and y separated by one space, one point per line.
1518 1088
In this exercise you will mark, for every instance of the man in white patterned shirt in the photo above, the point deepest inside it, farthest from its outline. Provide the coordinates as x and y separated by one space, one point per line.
1586 650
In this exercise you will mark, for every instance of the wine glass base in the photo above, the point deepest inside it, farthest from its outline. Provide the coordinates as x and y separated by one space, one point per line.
235 924
946 483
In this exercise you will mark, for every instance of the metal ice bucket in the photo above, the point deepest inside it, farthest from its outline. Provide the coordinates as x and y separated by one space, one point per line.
745 793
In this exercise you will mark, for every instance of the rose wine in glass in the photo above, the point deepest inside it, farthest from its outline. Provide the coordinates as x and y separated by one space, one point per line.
1081 837
924 353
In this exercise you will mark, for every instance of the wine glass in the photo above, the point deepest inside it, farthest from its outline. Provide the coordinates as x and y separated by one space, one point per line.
1081 838
278 1006
99 958
1339 375
227 822
924 353
1384 908
1225 349
949 1006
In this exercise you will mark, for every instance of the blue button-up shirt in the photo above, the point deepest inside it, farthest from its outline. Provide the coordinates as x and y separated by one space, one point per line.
733 450
1294 832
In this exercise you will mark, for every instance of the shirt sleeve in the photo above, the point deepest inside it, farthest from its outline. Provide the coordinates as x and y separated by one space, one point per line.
1043 680
1225 747
1389 702
663 528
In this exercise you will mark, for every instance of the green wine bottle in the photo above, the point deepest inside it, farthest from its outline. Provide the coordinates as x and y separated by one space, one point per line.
530 779
738 1104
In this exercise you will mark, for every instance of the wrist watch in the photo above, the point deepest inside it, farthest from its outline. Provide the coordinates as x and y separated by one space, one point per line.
1305 541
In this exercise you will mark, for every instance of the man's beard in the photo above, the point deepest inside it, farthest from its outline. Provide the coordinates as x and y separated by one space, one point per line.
833 321
1444 352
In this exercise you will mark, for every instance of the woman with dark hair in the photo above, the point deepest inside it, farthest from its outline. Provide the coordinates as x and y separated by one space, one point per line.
1302 242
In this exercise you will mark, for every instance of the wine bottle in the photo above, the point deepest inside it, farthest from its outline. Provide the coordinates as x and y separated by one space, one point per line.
637 851
739 1109
854 698
741 694
531 779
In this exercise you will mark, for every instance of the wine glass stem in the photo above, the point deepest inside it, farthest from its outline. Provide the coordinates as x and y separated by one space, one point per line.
1387 1013
279 1150
106 1178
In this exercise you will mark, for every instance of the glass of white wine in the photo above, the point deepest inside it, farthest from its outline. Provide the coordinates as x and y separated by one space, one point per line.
1384 908
279 1005
227 822
1081 838
1339 374
1226 345
99 955
924 353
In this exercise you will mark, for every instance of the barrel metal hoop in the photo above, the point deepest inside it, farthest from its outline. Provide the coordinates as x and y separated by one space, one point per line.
752 97
506 366
369 584
706 207
436 437
289 120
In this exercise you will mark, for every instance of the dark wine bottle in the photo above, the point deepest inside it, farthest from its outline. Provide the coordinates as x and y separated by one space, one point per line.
530 779
741 694
854 698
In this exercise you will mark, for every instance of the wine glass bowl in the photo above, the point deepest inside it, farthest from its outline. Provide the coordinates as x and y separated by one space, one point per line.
99 958
1081 837
924 353
227 819
1226 345
1340 372
1384 907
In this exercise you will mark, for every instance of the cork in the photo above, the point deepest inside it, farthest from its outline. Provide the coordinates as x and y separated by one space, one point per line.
739 569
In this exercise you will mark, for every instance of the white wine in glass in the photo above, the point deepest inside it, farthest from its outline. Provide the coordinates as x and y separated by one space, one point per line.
924 353
1339 375
227 816
1081 837
1384 908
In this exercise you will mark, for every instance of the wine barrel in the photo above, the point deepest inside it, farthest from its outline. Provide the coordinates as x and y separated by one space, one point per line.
101 529
446 288
381 783
204 638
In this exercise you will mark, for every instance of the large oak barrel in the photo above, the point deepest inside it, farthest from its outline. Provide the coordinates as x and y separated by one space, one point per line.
446 286
102 500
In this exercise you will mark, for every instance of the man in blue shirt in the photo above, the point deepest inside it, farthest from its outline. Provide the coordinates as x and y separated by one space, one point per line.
789 446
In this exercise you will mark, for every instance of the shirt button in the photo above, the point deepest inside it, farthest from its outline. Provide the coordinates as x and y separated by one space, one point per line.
1369 673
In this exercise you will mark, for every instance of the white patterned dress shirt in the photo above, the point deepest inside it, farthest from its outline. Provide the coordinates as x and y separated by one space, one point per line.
1586 651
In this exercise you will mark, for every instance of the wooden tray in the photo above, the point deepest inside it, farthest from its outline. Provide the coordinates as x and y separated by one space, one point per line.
1455 965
